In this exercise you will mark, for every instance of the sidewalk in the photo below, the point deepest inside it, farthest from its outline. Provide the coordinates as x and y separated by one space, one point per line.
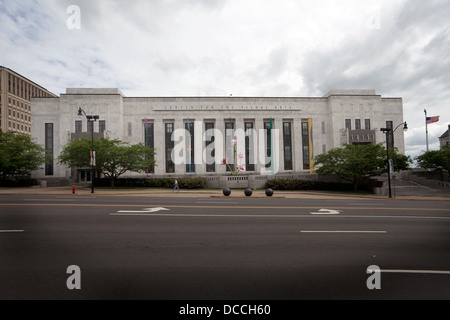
204 193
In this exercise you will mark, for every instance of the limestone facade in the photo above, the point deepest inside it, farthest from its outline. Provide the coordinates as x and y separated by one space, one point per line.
341 116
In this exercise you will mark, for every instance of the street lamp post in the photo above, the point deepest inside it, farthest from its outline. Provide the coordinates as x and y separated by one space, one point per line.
387 131
91 119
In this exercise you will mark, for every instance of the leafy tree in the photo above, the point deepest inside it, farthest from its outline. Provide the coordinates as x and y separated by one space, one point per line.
19 154
353 162
112 157
401 161
436 158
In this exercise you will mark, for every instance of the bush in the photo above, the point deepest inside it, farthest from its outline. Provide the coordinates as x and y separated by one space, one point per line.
164 183
17 183
288 184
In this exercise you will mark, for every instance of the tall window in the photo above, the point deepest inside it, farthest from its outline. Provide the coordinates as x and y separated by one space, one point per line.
249 147
268 144
357 124
348 124
149 141
209 145
367 124
49 148
190 163
170 165
78 126
305 145
90 126
287 144
101 126
229 149
390 135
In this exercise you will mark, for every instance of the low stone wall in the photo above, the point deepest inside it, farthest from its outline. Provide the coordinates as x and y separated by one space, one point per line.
259 181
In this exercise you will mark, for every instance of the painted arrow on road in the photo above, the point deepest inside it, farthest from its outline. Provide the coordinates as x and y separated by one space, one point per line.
145 210
327 211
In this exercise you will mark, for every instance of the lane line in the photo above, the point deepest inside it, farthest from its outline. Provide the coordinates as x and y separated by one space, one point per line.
343 231
48 199
415 271
218 207
291 216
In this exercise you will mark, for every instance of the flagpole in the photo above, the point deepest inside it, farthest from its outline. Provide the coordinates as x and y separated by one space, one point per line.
426 128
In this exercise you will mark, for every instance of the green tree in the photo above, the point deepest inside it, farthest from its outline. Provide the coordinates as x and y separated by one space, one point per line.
435 158
112 157
19 154
353 162
401 161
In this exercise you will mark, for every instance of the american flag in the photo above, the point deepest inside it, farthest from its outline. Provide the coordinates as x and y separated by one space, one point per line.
432 119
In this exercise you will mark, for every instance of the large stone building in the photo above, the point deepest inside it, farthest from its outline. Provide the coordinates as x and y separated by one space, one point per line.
16 92
301 128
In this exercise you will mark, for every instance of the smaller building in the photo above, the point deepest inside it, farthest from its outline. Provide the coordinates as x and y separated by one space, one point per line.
16 92
445 138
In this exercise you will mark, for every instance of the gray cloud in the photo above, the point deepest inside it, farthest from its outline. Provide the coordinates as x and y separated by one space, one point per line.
252 47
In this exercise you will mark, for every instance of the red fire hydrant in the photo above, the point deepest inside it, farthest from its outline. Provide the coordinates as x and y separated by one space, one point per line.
73 189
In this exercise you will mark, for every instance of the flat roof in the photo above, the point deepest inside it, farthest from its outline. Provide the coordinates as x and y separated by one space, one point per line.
12 71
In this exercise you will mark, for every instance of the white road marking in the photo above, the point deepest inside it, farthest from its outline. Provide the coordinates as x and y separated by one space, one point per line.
144 210
211 202
48 199
416 271
327 211
309 216
341 231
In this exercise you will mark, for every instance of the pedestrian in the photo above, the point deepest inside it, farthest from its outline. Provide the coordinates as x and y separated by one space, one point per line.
176 186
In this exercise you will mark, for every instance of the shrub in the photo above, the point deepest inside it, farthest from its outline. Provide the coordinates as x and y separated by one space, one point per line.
165 183
17 183
288 184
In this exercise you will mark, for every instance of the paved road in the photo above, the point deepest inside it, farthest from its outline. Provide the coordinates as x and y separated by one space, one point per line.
222 248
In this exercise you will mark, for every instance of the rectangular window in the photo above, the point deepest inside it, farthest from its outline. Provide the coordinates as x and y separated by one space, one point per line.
209 145
229 148
190 161
357 124
367 124
130 129
305 145
101 126
348 124
90 126
287 144
268 144
49 148
170 165
390 135
249 147
78 126
149 135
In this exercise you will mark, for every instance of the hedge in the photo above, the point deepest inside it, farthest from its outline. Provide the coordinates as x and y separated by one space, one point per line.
17 183
183 183
288 184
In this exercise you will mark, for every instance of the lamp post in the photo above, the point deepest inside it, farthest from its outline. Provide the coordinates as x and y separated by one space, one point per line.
91 119
387 131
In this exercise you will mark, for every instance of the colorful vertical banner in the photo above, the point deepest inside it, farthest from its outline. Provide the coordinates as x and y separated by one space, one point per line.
311 147
189 149
271 148
146 142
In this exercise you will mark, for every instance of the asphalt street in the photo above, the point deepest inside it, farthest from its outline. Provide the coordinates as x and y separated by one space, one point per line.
202 248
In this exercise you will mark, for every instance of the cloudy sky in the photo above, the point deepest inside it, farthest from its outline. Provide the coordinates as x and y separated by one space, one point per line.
400 48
